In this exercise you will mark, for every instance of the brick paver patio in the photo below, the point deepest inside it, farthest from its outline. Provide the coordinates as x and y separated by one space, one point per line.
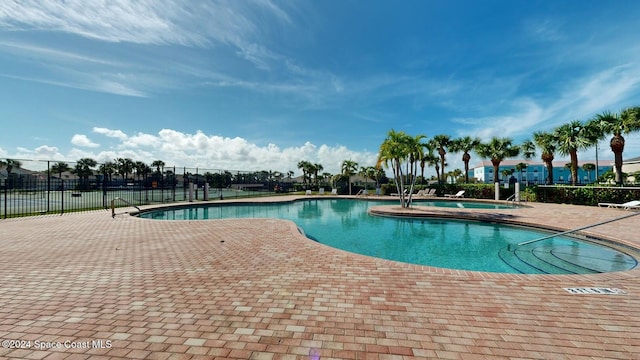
85 285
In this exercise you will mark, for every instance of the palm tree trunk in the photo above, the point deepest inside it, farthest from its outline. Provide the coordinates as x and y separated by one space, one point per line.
618 164
574 167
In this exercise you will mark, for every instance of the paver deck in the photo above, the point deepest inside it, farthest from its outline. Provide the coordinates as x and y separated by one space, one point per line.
85 285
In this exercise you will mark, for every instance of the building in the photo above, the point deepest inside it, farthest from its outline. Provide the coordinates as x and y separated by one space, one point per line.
631 167
536 172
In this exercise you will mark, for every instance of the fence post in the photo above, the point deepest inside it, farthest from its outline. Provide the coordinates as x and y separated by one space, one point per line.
5 199
48 187
61 196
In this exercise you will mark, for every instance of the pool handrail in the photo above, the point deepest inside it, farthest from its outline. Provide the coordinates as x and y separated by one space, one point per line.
578 229
113 205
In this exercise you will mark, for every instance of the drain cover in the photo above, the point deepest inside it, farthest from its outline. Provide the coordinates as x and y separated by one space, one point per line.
595 290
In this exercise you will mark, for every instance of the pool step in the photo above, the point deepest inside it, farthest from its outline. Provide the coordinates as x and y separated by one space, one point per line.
542 260
589 259
525 262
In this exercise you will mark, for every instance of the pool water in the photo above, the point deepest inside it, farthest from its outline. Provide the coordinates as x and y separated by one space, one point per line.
346 224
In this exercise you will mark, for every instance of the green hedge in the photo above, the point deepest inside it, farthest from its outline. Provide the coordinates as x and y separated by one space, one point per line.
577 195
583 195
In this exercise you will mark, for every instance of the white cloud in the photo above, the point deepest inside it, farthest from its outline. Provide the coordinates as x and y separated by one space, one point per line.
83 141
110 133
206 152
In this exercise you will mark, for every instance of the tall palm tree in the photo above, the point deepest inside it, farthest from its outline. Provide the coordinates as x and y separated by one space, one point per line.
546 142
316 169
399 148
304 166
159 165
392 153
465 145
349 168
623 123
497 149
441 142
571 138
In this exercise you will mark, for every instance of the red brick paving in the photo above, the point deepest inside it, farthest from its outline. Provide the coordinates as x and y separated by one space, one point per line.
256 289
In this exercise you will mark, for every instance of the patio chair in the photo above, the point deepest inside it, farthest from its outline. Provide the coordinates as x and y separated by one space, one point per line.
635 204
308 192
431 192
457 195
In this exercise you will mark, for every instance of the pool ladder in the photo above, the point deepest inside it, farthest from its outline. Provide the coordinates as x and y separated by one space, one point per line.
113 205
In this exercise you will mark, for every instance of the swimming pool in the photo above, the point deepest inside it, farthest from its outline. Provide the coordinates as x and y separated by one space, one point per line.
457 244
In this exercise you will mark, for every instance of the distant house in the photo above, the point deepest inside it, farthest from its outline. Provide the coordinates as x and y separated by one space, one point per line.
536 172
630 167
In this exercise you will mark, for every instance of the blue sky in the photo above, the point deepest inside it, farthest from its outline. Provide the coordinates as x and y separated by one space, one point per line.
256 85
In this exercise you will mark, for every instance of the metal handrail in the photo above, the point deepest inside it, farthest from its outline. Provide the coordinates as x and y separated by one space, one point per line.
512 198
578 229
113 205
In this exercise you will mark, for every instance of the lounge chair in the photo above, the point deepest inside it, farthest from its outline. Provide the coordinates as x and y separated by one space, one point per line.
321 191
420 193
334 191
431 192
457 195
635 204
308 192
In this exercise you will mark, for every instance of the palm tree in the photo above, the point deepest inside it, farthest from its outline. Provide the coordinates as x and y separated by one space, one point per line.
125 167
107 170
623 123
316 169
546 142
415 149
570 138
10 164
84 169
349 168
497 149
441 142
456 174
59 168
392 153
465 144
397 148
142 170
373 173
304 165
159 165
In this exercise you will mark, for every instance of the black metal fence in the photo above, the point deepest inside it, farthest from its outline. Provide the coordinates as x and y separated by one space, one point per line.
45 187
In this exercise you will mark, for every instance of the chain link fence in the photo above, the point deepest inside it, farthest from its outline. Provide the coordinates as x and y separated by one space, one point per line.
34 187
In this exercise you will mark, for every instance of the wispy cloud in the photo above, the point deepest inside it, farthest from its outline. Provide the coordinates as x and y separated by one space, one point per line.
544 30
229 29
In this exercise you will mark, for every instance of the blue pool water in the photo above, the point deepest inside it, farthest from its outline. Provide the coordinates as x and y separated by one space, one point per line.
347 225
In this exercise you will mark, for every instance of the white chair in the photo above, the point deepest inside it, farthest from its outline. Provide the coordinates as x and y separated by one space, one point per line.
635 204
458 195
321 191
308 192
